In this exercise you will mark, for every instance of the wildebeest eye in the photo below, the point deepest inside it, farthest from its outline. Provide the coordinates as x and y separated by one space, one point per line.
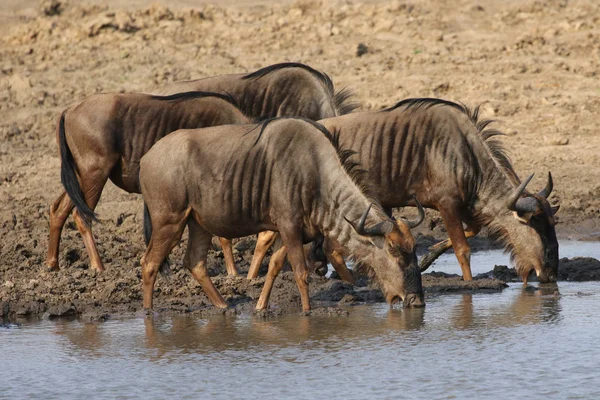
394 251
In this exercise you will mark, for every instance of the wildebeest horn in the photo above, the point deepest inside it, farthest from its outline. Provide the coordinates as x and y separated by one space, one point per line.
522 205
382 228
545 192
515 196
416 222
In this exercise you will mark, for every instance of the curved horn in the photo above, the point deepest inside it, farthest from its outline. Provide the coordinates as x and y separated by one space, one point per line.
382 228
416 222
526 205
545 192
511 202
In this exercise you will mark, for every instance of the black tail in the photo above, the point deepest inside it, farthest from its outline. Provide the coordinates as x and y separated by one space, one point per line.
68 177
165 267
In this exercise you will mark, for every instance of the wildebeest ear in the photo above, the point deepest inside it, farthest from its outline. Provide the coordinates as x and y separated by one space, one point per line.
378 241
555 209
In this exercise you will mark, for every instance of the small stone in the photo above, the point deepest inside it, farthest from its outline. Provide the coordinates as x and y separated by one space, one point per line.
9 284
13 130
511 132
51 7
361 50
559 142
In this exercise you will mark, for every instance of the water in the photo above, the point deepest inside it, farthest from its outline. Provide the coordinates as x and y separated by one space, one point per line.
515 344
484 261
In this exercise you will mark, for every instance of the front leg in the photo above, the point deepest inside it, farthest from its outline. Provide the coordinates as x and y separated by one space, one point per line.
337 261
451 215
292 240
440 248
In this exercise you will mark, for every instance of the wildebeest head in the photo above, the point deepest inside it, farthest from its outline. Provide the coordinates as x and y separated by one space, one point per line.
395 246
535 210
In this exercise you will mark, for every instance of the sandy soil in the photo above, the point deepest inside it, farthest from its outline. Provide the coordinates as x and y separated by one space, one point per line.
535 64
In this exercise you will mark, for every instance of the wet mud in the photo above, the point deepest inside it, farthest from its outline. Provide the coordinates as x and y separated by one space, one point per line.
76 290
541 85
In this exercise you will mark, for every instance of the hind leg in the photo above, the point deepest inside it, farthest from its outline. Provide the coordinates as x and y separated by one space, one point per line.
228 255
195 260
456 233
275 266
264 241
92 196
166 232
59 212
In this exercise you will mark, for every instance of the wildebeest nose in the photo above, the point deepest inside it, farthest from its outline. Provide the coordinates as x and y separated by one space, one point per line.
413 300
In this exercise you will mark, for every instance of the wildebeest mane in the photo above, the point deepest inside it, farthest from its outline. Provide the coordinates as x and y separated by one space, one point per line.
342 98
352 168
495 147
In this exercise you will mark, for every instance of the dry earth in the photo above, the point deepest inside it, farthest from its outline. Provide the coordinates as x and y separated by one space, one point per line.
534 65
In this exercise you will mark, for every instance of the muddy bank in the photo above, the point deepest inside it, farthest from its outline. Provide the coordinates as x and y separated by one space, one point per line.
76 289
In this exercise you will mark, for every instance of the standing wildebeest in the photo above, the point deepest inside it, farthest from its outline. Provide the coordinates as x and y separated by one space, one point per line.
106 135
279 90
286 175
440 152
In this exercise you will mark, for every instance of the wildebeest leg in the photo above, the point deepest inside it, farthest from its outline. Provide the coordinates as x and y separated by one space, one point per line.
264 241
456 234
92 196
293 241
440 248
195 260
275 265
59 212
166 232
338 263
228 255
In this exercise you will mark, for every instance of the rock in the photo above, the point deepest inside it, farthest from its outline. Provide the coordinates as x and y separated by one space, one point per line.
361 50
504 273
64 310
560 141
347 299
579 269
52 7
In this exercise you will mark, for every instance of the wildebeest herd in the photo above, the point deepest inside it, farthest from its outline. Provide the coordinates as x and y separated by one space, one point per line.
279 152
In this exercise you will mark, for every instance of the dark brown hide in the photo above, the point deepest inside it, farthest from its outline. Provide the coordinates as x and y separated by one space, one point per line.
106 135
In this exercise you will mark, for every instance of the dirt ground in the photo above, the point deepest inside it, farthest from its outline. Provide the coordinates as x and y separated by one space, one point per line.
534 65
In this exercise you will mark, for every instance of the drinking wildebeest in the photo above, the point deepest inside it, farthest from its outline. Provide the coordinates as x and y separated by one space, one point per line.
440 152
106 135
279 90
238 180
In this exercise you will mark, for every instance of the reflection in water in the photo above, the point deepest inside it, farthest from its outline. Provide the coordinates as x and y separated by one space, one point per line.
221 333
530 306
459 346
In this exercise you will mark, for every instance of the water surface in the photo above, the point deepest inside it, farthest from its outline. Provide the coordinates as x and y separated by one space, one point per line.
521 343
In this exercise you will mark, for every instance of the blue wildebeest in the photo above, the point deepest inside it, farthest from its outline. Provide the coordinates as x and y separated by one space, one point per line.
442 153
105 136
238 180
